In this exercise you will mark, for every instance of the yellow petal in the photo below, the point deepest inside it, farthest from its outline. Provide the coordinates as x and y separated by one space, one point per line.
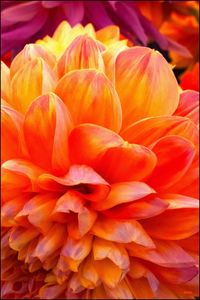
90 98
145 84
31 81
5 82
83 53
30 52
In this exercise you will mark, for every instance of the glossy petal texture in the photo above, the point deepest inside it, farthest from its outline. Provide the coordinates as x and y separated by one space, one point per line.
99 164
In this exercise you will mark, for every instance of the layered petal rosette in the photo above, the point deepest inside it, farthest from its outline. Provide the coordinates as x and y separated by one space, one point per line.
99 172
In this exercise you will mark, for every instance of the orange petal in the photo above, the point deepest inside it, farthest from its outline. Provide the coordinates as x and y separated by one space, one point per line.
86 219
82 178
189 183
74 251
71 201
30 52
5 82
31 81
191 243
175 155
83 53
145 84
108 34
179 221
124 192
130 162
141 289
19 176
166 254
147 131
91 98
189 106
116 253
88 275
121 231
110 56
46 128
13 145
20 237
142 209
109 273
173 275
38 211
95 139
121 291
11 208
50 291
52 241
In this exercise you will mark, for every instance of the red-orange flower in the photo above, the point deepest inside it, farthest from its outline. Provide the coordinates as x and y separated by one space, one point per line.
99 172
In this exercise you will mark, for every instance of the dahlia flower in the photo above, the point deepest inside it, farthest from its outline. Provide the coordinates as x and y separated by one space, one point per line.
26 21
99 172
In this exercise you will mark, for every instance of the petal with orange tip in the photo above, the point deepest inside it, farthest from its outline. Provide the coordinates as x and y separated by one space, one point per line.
124 192
84 180
103 249
121 231
52 241
18 176
87 273
20 237
82 53
95 139
30 52
46 128
175 155
74 251
178 221
5 82
34 79
13 144
110 55
109 273
90 98
71 201
131 162
145 84
189 105
149 130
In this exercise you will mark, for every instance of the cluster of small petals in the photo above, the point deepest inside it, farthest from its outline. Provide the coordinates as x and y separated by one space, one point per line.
99 172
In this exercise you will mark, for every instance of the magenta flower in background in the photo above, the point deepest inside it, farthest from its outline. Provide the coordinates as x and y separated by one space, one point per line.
26 21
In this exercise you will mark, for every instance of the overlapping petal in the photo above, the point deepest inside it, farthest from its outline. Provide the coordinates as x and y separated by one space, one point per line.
94 95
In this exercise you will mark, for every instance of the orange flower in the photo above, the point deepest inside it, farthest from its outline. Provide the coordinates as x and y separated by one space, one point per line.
99 172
